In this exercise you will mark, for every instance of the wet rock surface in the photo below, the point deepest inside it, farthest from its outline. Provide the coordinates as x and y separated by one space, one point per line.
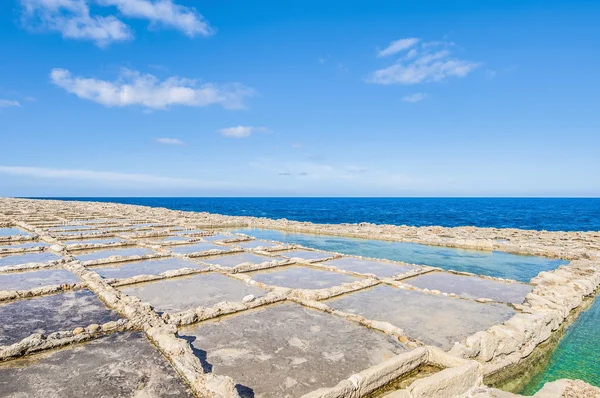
436 320
53 313
287 350
119 365
180 294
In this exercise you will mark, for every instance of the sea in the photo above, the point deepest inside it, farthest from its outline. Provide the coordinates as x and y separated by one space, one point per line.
550 214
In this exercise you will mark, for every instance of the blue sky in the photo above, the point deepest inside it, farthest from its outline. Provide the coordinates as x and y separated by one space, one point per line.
299 98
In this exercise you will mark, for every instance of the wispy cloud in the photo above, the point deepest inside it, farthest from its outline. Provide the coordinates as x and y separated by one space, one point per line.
73 19
417 97
241 131
133 88
164 12
169 141
397 46
111 178
4 103
423 63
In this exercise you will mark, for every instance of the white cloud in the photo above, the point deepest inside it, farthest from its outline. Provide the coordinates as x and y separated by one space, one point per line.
414 97
397 46
132 180
170 141
4 103
240 131
73 18
164 12
419 65
133 88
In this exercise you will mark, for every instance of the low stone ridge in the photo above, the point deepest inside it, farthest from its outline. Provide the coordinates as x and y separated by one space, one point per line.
223 310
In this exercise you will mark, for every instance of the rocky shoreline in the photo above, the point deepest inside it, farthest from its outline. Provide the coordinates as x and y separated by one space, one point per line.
491 355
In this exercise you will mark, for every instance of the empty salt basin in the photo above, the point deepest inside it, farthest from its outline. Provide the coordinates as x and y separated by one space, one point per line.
25 245
231 260
301 277
186 293
497 264
90 255
18 259
305 255
378 268
472 287
47 314
34 279
145 267
285 350
119 365
198 247
13 231
432 319
253 244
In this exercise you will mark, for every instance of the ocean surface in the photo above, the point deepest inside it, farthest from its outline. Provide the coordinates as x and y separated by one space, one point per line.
551 214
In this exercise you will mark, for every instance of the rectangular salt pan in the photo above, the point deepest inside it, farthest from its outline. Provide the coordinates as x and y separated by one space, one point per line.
102 254
287 350
34 279
304 254
300 277
472 287
498 264
378 268
432 319
13 231
146 267
197 248
47 314
232 260
186 293
17 259
253 244
92 241
118 365
213 238
25 245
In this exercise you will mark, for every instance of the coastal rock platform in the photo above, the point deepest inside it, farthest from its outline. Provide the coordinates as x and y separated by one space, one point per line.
131 301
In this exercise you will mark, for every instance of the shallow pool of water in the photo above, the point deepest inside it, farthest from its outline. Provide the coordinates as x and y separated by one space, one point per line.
577 355
498 264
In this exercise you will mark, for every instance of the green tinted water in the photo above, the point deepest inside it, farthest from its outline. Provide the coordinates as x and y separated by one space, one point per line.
577 356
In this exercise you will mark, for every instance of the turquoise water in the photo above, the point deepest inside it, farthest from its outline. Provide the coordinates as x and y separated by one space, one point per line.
577 355
498 264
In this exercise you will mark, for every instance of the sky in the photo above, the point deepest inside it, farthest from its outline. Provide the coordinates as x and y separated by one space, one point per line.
299 98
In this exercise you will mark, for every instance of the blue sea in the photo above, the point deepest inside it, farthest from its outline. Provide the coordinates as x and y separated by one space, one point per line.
551 214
